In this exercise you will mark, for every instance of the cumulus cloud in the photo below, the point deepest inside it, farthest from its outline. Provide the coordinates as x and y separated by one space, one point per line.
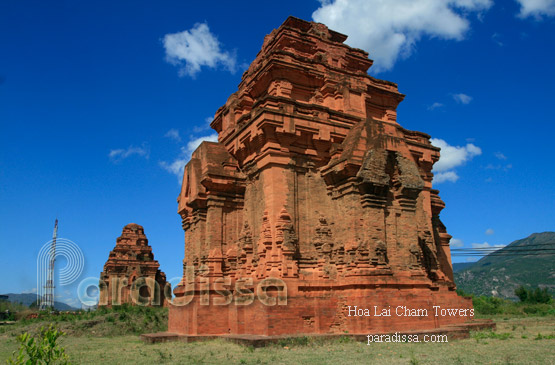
462 98
455 242
490 231
173 134
121 154
445 176
177 166
389 30
453 156
192 49
536 8
488 246
500 156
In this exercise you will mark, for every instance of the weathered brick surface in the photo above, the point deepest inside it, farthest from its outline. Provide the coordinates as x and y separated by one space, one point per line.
131 275
312 181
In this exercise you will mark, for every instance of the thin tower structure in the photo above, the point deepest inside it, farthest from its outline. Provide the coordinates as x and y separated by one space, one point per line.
48 300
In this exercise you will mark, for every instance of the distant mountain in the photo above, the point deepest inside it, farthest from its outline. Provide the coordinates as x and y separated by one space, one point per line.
500 273
459 266
28 299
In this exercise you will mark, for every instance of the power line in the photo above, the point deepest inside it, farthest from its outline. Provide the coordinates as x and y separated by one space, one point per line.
508 254
500 249
538 249
503 254
524 247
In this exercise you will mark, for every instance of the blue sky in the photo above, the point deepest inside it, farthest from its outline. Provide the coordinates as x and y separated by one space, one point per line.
101 104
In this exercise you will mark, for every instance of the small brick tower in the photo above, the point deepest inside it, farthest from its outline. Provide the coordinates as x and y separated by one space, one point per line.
131 275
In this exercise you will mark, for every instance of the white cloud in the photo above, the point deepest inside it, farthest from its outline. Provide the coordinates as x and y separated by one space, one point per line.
204 126
450 158
481 245
462 98
487 245
435 106
74 302
445 176
173 134
490 231
495 37
389 30
119 155
193 144
498 167
536 8
500 156
453 156
455 242
177 166
195 48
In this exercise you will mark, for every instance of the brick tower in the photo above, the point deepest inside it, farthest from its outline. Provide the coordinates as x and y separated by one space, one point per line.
131 275
313 201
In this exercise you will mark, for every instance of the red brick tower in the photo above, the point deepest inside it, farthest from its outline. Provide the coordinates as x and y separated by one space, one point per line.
312 183
131 275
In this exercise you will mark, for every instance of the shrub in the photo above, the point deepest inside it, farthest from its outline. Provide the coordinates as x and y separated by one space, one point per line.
41 350
462 293
533 295
488 305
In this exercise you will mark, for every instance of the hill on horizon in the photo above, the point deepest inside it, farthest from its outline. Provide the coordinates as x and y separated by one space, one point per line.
29 298
523 262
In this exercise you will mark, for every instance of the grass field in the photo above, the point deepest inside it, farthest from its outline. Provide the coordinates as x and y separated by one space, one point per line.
524 340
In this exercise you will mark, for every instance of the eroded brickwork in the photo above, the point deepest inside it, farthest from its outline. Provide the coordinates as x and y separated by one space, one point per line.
312 181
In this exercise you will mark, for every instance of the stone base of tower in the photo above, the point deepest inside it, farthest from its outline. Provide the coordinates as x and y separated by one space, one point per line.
322 307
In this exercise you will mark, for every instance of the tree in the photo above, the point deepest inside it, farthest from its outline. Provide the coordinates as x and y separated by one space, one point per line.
521 293
533 295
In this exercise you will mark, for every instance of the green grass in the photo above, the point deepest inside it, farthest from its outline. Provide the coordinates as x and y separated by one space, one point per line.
521 340
118 321
485 307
